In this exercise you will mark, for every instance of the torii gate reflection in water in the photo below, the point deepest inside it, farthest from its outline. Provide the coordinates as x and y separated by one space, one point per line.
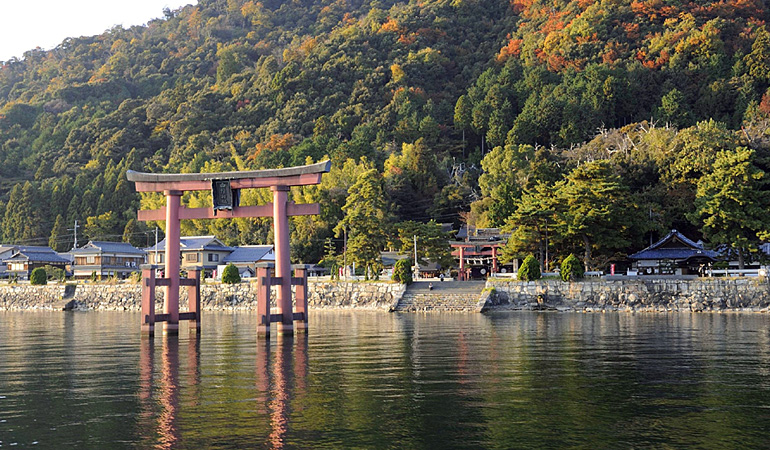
225 188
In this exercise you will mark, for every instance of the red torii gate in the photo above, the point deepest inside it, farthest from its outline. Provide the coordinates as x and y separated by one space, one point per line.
225 188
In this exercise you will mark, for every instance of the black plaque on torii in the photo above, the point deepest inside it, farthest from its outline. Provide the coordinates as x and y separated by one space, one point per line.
223 196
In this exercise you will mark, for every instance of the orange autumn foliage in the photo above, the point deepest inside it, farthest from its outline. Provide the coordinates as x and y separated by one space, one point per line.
277 142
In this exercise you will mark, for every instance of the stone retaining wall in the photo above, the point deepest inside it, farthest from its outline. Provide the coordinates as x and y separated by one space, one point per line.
712 294
243 296
717 294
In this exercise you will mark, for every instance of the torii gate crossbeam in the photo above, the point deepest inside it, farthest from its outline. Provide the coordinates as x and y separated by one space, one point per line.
225 188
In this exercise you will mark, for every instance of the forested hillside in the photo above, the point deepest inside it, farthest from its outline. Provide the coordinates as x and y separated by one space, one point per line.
604 120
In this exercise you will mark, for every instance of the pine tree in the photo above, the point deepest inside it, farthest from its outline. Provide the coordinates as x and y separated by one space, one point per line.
367 216
731 203
592 210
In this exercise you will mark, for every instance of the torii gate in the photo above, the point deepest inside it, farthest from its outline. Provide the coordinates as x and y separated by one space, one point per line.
225 188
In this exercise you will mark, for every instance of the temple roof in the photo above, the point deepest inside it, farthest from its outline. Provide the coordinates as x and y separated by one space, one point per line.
675 246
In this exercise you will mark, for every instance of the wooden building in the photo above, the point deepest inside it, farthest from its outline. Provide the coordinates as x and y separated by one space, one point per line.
25 259
675 254
106 259
196 251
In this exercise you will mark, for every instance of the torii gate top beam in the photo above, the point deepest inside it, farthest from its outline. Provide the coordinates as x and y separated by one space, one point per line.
290 176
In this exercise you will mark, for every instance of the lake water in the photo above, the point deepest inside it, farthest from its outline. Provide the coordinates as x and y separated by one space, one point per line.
388 381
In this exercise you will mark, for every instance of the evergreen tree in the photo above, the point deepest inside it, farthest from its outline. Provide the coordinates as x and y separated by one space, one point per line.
732 204
571 269
592 210
530 269
367 219
58 240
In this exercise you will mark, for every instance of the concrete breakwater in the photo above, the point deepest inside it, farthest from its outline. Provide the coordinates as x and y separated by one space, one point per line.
214 297
660 295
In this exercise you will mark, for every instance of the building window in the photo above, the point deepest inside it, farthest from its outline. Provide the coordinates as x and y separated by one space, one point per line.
90 259
213 257
191 257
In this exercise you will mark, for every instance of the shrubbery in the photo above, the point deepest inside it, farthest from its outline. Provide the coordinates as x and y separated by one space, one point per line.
230 275
571 268
38 277
402 271
530 269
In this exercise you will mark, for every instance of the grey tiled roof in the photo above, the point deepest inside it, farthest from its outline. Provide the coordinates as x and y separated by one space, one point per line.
250 253
687 249
38 256
194 243
108 247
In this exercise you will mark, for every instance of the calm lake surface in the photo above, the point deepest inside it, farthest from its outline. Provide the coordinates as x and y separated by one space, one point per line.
379 380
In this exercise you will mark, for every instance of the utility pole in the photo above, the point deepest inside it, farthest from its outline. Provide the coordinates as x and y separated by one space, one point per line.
75 229
156 245
416 264
546 247
345 253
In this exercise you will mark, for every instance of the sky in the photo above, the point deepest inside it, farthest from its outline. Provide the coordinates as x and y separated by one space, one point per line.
27 24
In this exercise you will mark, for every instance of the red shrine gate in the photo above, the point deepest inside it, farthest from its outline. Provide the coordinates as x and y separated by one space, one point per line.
225 189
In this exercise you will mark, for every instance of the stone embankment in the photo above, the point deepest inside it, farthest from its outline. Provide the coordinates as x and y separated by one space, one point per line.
659 295
715 294
243 296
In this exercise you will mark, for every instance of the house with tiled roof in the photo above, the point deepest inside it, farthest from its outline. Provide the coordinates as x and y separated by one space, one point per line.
25 259
106 259
675 254
196 251
246 257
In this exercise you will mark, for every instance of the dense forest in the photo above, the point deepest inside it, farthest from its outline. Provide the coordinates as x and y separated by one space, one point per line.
601 124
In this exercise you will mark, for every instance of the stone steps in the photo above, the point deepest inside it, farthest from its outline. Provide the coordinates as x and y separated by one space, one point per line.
445 296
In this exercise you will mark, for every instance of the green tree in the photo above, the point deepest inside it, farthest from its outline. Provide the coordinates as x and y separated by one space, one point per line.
463 116
367 219
530 269
592 210
58 239
402 271
104 226
38 277
758 60
132 234
571 268
432 242
731 203
230 274
532 225
506 173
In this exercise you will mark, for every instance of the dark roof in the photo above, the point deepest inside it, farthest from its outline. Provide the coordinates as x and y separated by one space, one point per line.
389 258
195 243
107 247
37 256
66 256
674 245
430 267
250 254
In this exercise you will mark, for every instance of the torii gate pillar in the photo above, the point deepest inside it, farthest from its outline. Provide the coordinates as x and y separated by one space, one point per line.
171 291
282 261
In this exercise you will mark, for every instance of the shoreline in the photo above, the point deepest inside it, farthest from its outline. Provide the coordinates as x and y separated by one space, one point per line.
738 295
